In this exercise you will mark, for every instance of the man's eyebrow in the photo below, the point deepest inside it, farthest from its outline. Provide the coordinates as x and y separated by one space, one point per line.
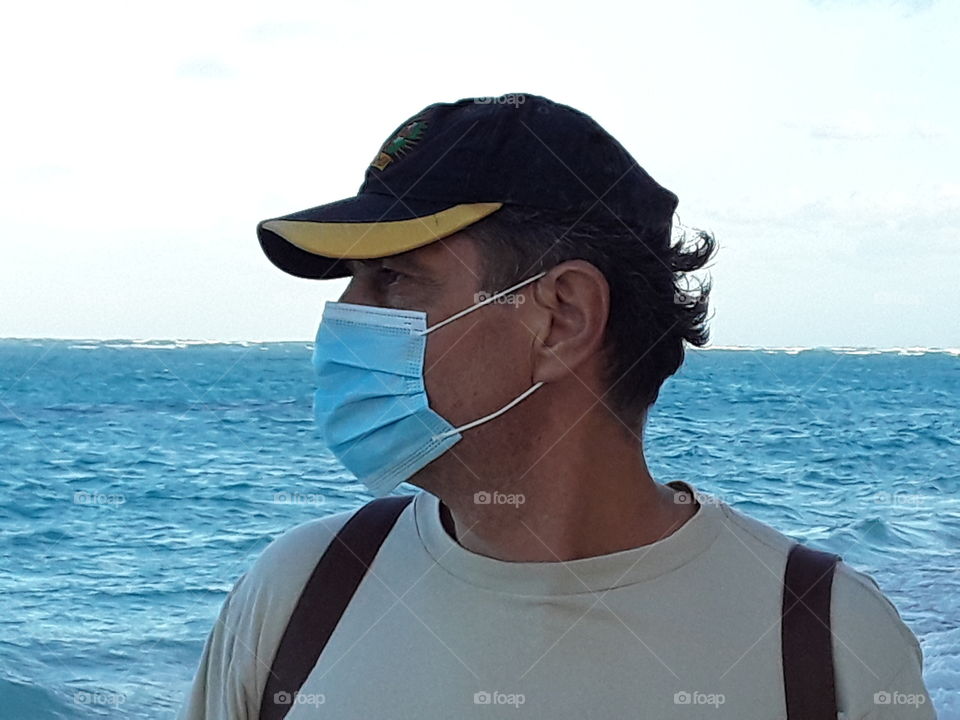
401 260
352 264
405 260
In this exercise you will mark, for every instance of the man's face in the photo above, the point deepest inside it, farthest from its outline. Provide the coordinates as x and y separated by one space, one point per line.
473 365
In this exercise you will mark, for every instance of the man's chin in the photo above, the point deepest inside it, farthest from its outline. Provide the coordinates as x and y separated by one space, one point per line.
434 477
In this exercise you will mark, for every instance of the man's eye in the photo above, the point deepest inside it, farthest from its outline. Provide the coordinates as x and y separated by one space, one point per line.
388 276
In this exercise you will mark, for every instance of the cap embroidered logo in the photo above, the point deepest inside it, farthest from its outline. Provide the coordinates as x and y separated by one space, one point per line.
396 146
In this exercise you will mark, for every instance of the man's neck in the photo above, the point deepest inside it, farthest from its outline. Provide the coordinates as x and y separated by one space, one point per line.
597 518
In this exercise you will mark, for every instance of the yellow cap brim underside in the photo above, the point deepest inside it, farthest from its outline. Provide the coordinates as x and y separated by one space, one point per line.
378 239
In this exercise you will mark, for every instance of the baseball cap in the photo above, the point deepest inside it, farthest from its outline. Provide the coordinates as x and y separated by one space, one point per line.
453 164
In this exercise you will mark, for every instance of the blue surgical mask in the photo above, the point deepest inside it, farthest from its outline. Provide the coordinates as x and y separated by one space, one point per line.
371 404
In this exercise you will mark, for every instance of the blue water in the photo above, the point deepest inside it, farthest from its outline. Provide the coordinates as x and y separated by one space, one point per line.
139 480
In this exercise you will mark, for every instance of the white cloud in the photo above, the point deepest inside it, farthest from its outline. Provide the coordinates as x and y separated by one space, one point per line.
909 7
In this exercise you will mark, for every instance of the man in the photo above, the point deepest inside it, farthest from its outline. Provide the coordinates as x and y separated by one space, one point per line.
515 305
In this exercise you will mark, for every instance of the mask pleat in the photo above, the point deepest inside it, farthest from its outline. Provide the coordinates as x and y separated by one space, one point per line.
378 414
385 353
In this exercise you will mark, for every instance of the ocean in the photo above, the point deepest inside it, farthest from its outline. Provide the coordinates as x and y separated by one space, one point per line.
140 479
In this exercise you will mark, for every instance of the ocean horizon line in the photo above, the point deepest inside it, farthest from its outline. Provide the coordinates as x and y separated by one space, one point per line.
174 343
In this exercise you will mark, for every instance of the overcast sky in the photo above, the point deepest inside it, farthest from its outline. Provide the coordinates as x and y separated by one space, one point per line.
142 143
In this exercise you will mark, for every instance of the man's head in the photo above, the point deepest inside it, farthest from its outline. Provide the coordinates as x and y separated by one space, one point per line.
499 195
620 299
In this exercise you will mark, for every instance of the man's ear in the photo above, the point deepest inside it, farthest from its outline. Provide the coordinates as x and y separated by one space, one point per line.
568 317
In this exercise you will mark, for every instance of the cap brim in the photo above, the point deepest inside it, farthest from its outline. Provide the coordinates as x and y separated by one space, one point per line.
312 243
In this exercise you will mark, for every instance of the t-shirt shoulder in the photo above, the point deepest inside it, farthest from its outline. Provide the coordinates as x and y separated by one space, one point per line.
759 532
240 648
270 589
876 656
290 558
879 660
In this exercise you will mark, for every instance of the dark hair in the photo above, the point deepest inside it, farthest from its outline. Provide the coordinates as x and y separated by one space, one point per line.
652 310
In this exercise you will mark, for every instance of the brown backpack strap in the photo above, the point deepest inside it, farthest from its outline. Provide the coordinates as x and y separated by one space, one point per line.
808 674
324 598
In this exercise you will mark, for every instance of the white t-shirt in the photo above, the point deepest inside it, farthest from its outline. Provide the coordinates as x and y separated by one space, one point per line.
686 627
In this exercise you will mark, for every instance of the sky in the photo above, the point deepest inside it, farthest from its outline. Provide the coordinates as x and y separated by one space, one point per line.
815 139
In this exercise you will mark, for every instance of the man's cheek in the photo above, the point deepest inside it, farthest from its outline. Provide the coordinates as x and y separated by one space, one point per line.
454 381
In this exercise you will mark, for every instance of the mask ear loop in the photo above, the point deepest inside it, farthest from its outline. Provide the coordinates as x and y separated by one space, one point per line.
526 393
491 416
481 303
